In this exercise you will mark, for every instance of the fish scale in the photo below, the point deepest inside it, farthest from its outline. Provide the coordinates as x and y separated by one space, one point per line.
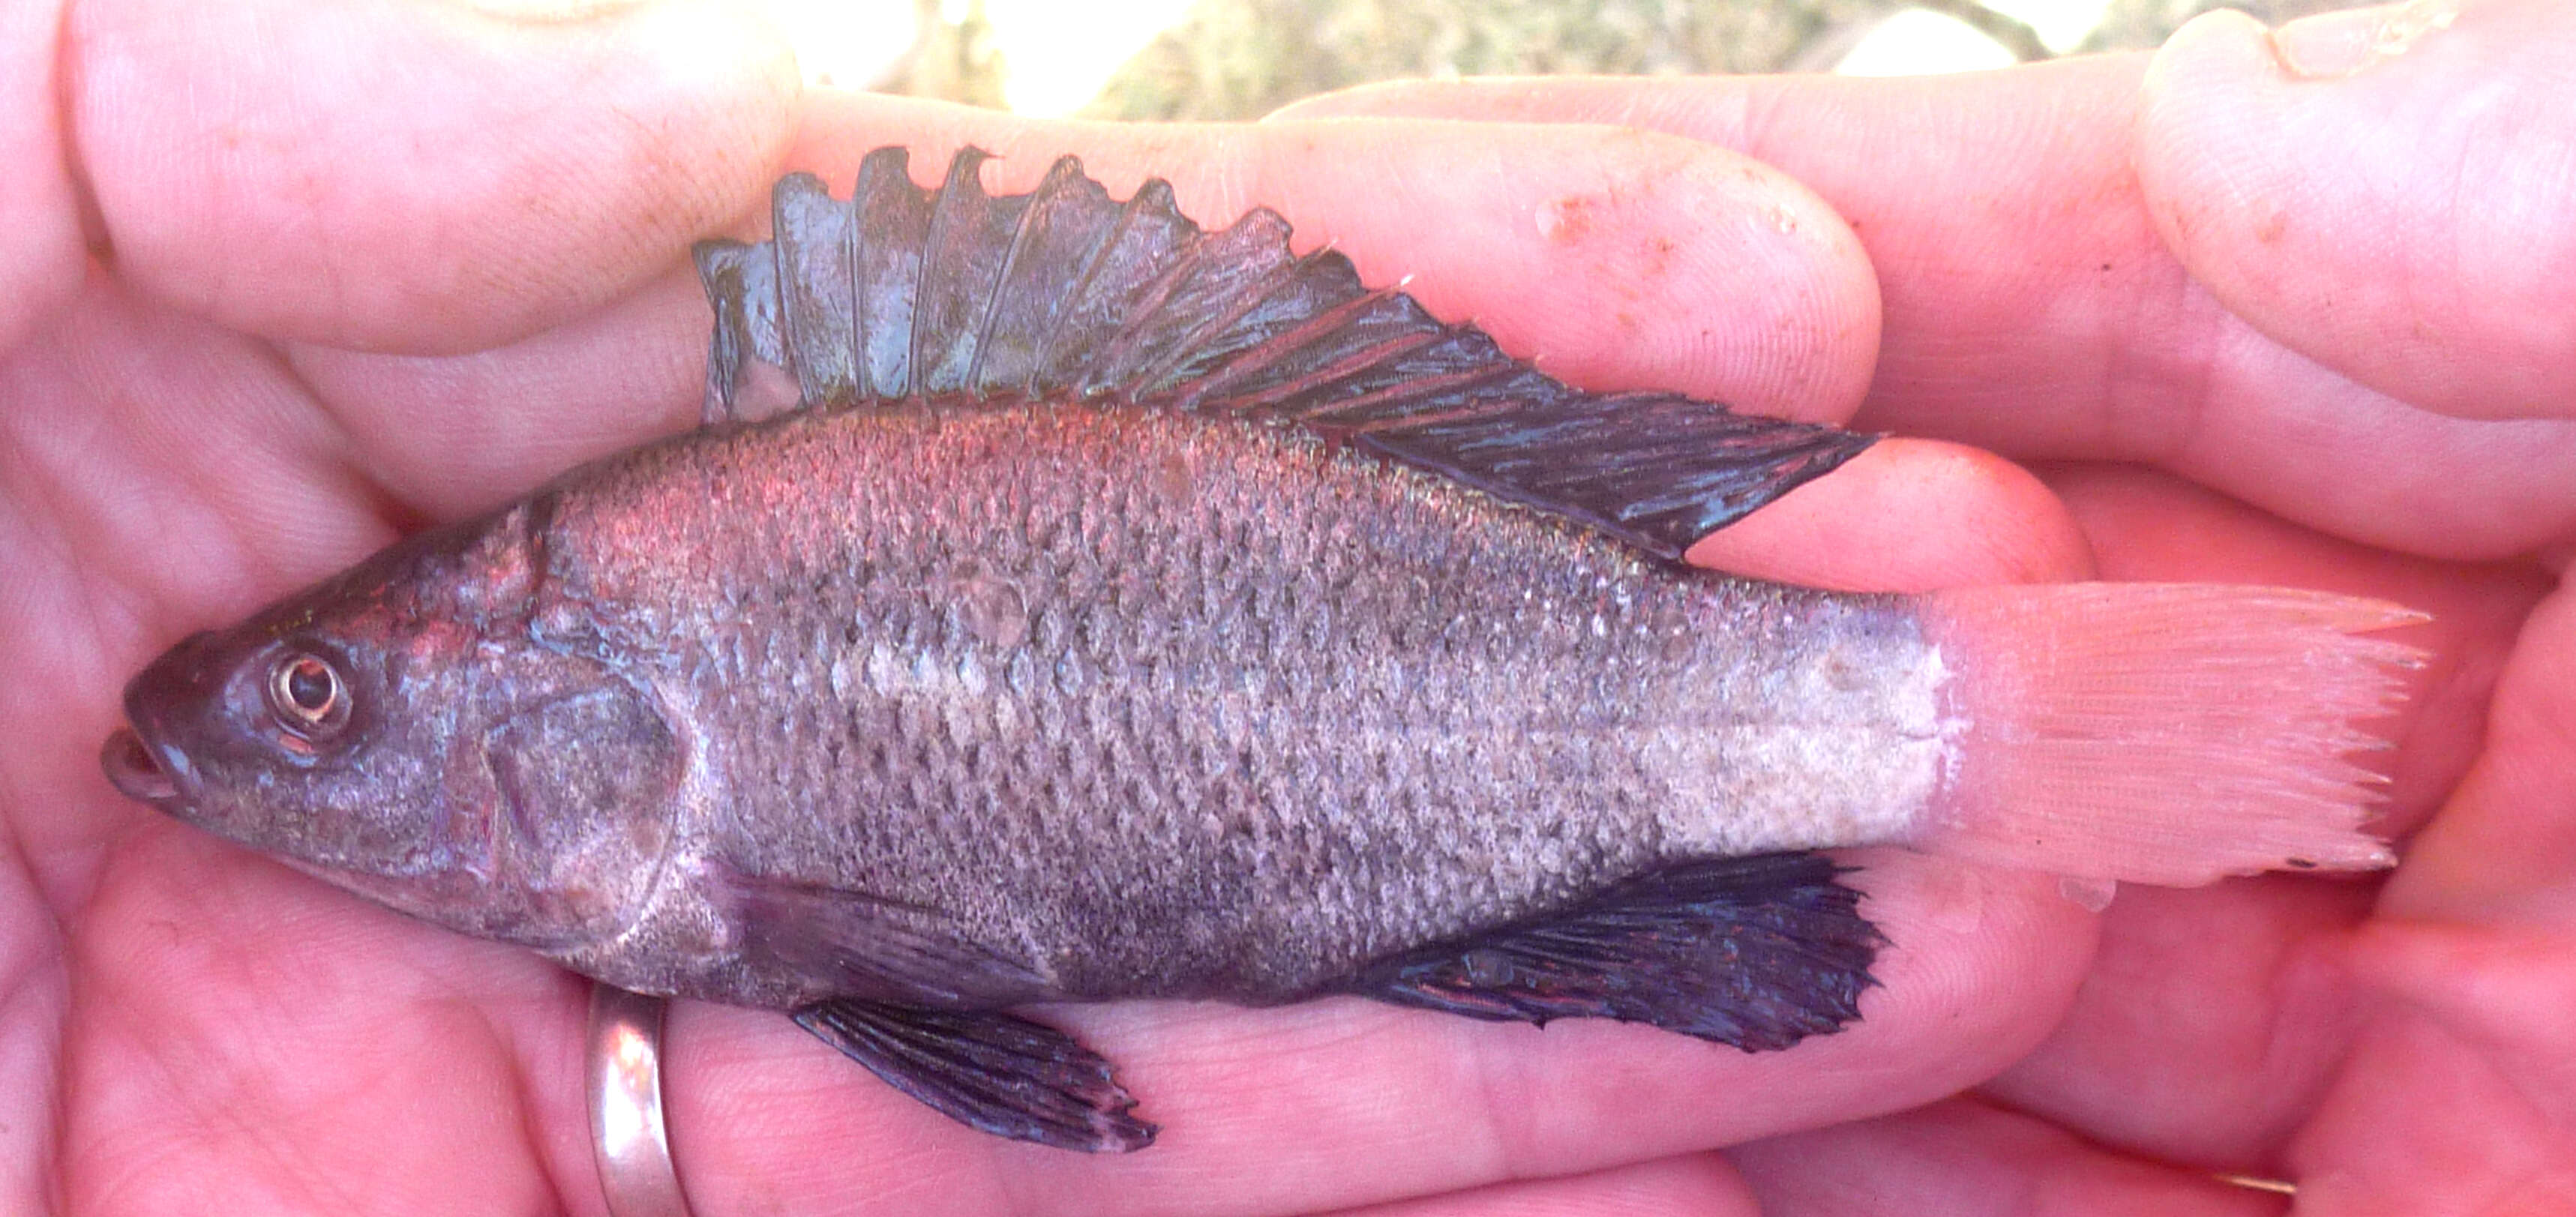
1148 646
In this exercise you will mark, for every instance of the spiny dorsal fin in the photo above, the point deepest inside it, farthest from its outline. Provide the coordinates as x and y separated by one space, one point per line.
904 293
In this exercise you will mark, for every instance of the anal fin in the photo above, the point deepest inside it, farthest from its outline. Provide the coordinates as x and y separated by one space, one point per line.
1757 952
991 1071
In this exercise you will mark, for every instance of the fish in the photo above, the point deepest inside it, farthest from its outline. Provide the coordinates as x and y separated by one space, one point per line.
1126 609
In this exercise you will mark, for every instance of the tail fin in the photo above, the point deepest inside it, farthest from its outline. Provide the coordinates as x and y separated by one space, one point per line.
2163 733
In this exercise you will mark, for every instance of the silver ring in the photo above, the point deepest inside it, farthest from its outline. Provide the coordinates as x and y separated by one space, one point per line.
627 1134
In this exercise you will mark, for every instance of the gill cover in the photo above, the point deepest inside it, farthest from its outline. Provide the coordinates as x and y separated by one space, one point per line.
473 773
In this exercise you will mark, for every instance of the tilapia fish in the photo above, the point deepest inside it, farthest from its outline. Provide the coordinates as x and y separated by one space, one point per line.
1128 610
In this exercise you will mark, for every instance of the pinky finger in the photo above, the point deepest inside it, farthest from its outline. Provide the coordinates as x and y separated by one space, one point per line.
1965 1157
1689 1185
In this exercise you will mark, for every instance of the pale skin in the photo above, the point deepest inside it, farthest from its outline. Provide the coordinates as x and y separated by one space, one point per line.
266 301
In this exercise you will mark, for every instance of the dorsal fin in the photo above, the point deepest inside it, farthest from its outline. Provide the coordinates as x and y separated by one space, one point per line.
902 293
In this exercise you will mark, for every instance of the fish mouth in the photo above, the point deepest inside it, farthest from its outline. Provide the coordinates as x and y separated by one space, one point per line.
139 757
137 773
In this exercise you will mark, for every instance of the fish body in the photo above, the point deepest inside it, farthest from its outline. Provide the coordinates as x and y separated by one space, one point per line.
1134 612
1152 704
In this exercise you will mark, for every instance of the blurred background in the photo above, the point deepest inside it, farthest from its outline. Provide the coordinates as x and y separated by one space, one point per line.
1237 59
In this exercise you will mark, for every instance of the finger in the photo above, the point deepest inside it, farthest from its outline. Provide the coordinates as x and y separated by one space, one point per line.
1907 515
1691 270
1965 1157
2425 1121
2508 992
449 435
2383 190
2503 847
34 994
297 1051
1615 259
164 474
1699 1185
2451 1077
2031 306
420 177
1346 1102
40 246
2209 1025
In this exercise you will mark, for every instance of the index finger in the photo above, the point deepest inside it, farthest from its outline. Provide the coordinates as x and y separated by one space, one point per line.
2032 306
412 177
1613 259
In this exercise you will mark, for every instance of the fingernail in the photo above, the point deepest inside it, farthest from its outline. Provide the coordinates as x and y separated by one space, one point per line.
2331 45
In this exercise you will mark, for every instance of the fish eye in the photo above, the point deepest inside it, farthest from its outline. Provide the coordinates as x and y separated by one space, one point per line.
307 696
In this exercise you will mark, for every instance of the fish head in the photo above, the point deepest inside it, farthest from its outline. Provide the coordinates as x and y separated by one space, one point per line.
411 732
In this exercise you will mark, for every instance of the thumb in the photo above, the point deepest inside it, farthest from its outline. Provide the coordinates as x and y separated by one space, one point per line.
422 177
2384 190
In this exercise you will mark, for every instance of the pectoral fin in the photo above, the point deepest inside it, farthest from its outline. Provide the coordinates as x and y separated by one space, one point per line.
862 945
1756 952
990 1071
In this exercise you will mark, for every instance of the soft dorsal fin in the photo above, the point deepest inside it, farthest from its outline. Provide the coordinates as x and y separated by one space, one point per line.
901 293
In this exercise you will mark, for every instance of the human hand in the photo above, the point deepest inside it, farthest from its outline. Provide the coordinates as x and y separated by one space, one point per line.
212 210
263 381
2254 307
